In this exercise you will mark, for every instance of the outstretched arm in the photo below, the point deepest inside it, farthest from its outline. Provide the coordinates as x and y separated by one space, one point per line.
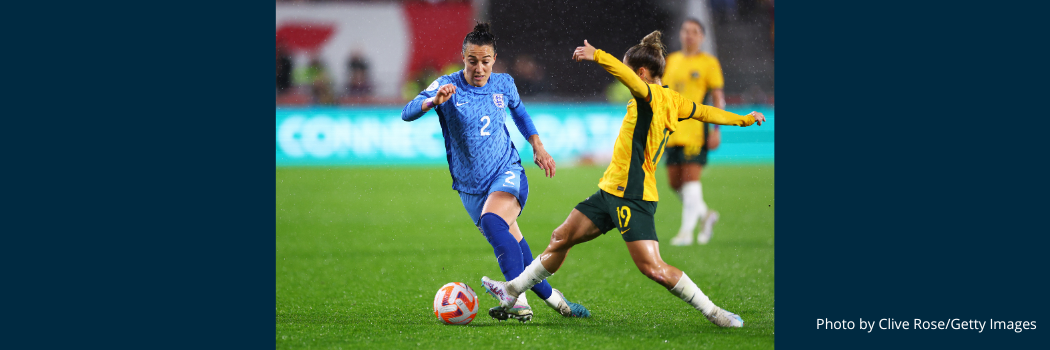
718 99
612 65
421 104
714 115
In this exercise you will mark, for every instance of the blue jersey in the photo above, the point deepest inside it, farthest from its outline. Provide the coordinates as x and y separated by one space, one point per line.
473 123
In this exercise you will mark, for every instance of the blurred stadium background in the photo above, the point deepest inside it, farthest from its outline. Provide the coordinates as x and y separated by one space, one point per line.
368 226
346 68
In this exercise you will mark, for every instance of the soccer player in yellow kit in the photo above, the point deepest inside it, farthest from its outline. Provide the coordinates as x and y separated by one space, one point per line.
627 197
693 74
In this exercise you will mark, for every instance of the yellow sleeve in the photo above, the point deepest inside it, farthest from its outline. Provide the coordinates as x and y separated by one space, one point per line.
708 114
686 108
622 73
714 77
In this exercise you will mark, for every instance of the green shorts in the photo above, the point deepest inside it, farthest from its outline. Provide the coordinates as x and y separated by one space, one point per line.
634 218
686 154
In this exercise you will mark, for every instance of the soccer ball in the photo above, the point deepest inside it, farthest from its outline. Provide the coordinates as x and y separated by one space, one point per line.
456 303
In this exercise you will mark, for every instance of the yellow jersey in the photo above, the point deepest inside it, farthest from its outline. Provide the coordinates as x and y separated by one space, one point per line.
692 76
651 117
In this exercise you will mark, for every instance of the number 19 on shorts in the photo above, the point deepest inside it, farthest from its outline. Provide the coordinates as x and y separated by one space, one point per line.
623 214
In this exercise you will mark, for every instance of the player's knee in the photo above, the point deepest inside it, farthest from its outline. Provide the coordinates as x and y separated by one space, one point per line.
560 239
655 273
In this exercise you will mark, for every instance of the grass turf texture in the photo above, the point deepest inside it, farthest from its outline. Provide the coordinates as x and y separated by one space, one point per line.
360 254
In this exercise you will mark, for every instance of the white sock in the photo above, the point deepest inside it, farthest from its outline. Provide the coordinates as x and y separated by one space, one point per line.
555 300
701 209
690 293
693 207
533 275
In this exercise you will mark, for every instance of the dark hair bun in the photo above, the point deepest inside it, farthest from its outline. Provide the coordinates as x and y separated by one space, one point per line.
649 53
480 36
653 40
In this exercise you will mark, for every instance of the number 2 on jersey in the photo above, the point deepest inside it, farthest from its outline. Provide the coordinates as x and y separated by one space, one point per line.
509 184
487 122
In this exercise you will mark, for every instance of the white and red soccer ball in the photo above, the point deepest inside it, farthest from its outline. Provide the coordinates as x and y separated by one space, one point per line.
456 303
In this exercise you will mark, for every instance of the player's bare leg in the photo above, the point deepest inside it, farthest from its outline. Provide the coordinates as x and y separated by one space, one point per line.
506 206
576 229
674 178
646 256
516 232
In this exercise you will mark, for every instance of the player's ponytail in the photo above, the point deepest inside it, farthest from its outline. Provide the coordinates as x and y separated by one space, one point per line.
649 54
481 36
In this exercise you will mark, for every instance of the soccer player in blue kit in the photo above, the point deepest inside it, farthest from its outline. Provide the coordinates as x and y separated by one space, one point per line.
486 169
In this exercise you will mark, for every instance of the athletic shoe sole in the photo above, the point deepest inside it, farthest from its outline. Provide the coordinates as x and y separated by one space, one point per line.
499 314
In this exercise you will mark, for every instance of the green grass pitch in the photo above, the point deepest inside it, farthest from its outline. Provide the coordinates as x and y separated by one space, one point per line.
362 251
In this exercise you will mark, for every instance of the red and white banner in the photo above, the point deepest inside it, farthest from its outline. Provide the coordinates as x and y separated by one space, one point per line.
396 39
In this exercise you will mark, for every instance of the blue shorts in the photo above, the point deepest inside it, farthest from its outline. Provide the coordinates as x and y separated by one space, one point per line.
512 181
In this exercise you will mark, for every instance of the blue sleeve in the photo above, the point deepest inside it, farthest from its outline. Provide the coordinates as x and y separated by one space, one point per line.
517 111
513 98
523 121
414 109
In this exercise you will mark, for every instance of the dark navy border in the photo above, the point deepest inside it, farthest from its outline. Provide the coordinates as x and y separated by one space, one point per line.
141 202
910 174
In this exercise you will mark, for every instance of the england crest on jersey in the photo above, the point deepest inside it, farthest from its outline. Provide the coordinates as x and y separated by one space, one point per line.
498 100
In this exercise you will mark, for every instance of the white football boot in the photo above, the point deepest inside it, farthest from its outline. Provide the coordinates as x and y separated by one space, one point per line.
709 223
724 318
565 307
499 291
682 239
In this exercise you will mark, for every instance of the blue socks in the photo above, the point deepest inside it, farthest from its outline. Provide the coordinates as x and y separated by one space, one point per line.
511 255
508 253
543 289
